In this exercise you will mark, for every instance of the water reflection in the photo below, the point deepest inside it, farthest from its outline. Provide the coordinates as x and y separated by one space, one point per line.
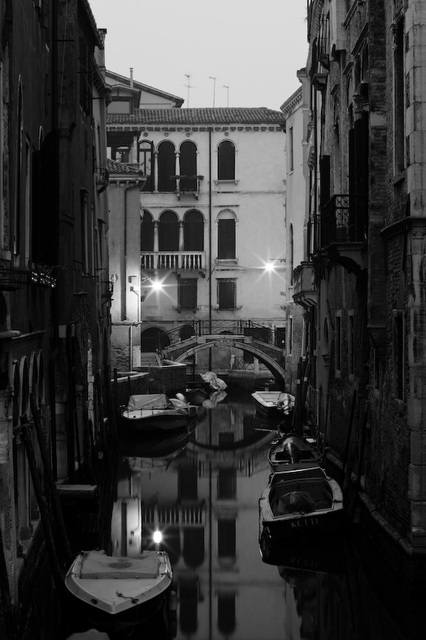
200 489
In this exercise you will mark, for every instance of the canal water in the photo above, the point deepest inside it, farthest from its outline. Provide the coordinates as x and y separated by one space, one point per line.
200 491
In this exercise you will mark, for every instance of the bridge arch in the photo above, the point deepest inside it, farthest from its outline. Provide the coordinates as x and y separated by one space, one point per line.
276 369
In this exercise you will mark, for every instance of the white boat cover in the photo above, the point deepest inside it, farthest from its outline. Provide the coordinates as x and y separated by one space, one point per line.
148 401
216 383
97 565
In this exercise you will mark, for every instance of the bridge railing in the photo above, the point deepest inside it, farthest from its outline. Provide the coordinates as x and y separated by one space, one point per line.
199 328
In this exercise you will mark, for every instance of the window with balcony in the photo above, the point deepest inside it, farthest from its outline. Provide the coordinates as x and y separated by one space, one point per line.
226 236
188 166
168 232
193 231
226 160
227 293
166 166
145 154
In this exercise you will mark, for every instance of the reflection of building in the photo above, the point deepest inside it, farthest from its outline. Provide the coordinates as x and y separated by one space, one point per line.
205 501
211 217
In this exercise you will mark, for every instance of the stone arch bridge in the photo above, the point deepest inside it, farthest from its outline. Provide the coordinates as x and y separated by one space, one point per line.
257 341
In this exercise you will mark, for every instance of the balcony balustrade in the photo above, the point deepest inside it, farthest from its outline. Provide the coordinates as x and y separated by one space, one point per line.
173 260
304 285
344 219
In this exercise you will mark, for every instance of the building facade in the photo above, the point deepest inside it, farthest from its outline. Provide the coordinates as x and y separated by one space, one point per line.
54 286
301 306
367 212
211 220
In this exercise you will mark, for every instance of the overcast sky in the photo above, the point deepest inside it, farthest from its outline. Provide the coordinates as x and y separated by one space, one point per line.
252 48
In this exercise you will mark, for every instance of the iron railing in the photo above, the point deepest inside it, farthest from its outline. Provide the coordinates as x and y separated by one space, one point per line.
199 328
343 219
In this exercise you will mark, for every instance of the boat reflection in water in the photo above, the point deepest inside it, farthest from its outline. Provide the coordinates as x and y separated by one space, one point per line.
196 497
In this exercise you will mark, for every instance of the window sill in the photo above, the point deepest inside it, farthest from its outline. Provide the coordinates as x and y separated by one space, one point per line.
183 310
226 260
231 181
229 309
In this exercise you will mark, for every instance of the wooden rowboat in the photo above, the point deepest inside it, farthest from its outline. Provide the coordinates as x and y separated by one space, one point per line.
123 589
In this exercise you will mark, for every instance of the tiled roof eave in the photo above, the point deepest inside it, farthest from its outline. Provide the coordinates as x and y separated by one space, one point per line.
240 117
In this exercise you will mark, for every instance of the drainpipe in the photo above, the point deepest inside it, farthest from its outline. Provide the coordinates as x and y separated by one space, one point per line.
210 243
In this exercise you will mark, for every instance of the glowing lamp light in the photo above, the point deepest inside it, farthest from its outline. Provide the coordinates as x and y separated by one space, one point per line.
157 536
157 285
270 266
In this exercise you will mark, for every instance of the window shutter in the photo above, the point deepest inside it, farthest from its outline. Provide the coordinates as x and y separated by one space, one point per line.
226 294
226 239
187 293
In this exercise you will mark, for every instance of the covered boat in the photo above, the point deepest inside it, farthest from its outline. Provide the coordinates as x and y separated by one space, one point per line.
120 589
273 404
151 411
292 448
300 500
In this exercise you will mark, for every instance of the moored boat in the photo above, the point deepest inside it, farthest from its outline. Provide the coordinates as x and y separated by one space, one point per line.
196 395
273 404
120 590
150 412
300 499
292 448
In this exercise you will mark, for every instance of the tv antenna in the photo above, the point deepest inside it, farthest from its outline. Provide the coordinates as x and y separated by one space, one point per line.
188 87
214 88
227 87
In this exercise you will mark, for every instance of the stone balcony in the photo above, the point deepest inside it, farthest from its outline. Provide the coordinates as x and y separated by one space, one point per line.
173 260
304 287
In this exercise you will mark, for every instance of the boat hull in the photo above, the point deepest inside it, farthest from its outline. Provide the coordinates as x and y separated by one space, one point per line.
157 415
292 449
163 422
273 404
300 501
114 592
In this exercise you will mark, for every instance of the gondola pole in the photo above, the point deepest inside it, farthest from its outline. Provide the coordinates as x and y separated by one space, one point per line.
59 519
46 518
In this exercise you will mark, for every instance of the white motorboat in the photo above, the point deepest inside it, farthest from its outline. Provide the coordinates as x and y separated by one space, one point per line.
120 587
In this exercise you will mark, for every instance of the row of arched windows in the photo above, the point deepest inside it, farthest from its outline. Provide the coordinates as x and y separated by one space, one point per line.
167 164
169 231
172 234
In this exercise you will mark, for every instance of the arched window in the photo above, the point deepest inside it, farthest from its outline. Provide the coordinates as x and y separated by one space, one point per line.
168 232
291 254
188 166
147 231
226 160
193 231
226 236
145 163
166 166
